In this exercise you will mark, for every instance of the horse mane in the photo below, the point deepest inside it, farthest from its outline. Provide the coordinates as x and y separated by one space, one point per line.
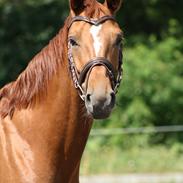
32 83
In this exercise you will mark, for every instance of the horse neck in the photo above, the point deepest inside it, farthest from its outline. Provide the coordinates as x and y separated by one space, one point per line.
63 105
64 112
59 124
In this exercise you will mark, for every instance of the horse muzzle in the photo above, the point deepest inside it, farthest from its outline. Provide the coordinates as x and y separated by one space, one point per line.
100 108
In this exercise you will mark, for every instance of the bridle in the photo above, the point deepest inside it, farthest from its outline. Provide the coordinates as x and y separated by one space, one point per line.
79 78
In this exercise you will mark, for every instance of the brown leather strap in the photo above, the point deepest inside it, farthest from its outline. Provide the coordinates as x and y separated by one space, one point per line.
98 62
91 21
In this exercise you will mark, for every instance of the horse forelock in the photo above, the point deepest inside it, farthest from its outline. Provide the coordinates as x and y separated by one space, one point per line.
94 9
32 83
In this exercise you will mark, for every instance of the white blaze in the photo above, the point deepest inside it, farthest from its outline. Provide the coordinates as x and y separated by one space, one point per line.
95 30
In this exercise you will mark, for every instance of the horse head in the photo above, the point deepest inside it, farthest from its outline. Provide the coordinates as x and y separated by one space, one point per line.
95 53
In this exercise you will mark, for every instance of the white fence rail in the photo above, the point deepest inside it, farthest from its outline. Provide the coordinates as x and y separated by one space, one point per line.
141 130
136 178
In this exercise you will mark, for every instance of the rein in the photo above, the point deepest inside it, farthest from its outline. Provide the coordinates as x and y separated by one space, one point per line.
79 78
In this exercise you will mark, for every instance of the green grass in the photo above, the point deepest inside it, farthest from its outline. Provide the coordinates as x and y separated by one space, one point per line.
113 160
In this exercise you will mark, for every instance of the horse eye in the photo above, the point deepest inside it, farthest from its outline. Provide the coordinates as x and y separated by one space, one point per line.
73 42
118 41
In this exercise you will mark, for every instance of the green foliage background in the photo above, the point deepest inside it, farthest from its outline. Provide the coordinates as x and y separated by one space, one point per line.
152 89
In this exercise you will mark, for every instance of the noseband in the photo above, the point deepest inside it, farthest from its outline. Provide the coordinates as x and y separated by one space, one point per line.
79 78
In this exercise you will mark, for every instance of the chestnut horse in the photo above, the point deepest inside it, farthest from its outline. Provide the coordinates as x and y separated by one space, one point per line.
47 113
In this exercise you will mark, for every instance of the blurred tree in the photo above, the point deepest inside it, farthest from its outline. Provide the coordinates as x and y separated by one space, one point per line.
150 17
25 27
152 90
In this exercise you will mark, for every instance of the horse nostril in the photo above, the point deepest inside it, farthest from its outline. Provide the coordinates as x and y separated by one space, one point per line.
112 95
88 97
113 98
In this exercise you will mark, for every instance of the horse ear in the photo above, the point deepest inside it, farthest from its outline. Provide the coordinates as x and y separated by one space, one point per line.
77 6
113 5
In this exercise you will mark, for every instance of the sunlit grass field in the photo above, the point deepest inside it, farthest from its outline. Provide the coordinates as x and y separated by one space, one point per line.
115 160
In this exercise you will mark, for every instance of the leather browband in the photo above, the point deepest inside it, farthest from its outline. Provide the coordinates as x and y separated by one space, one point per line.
91 21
